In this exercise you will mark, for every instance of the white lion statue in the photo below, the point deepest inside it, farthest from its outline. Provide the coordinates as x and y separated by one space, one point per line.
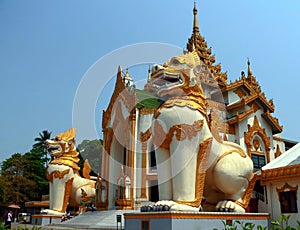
191 163
66 185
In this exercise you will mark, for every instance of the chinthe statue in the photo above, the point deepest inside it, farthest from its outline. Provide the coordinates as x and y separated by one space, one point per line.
66 185
191 162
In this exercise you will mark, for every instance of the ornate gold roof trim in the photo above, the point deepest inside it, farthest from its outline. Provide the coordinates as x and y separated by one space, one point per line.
276 128
242 102
278 152
147 111
241 117
120 93
281 174
255 92
278 139
198 43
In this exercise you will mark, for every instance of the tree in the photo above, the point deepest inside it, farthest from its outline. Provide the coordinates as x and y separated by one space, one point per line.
41 140
41 144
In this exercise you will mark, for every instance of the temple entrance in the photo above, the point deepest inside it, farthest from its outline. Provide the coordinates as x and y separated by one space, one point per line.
153 191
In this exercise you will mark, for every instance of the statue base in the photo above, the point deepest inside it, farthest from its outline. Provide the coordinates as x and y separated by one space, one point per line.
191 220
45 219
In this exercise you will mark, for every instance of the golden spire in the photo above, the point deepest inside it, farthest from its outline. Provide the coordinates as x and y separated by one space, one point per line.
249 68
196 26
127 76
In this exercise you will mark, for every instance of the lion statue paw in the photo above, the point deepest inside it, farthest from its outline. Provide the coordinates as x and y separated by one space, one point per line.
168 205
229 206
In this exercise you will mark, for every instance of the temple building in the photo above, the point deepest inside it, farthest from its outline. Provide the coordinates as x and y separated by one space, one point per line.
238 112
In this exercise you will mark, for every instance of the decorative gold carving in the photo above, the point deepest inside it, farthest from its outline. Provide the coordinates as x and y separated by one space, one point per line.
286 187
120 93
144 165
240 152
66 136
56 174
197 42
182 131
252 85
278 152
241 116
147 111
198 104
216 125
197 215
281 174
275 138
202 160
276 128
247 195
255 129
68 190
146 135
241 93
86 169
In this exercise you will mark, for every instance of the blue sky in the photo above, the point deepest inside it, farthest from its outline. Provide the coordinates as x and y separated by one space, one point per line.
47 46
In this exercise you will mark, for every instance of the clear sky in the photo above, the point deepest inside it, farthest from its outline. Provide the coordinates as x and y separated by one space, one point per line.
47 46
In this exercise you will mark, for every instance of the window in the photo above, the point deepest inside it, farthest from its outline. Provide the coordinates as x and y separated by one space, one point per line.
145 225
258 160
152 160
288 202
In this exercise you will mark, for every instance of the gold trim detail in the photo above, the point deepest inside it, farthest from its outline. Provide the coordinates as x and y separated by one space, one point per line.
241 116
247 195
145 111
280 174
241 93
240 152
216 126
203 156
67 194
56 174
182 131
120 93
198 215
278 152
193 103
255 129
146 135
274 121
287 187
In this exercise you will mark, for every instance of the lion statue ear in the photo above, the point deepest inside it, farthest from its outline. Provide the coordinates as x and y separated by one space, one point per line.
68 135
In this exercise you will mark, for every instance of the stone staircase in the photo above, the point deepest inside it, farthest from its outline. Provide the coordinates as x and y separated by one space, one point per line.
94 220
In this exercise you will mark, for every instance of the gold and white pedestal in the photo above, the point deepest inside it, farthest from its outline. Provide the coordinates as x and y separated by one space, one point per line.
191 220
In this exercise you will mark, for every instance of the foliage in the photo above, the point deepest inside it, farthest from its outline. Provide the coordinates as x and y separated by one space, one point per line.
23 176
41 140
282 224
91 150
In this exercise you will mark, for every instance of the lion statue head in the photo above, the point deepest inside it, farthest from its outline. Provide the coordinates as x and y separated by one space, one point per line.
63 150
177 77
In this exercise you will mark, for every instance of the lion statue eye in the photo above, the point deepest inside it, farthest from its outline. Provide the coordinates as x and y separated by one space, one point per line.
175 61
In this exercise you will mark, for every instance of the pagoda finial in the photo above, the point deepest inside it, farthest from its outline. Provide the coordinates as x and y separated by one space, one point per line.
249 68
149 74
196 26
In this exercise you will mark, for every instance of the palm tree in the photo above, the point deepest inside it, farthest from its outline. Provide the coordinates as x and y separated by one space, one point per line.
41 144
41 140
